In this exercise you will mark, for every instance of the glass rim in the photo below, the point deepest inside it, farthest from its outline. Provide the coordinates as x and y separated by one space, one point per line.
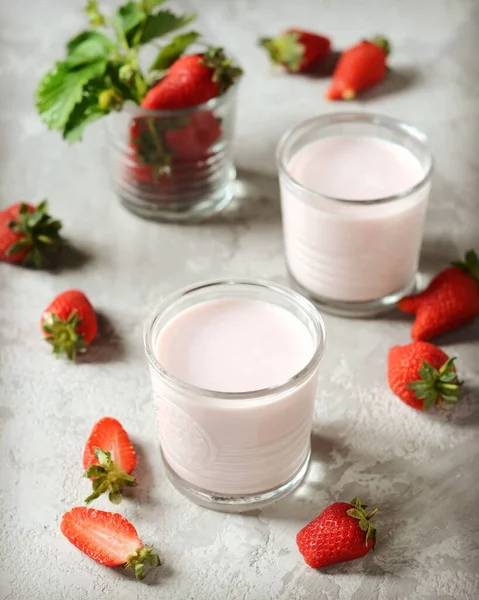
262 393
138 111
355 117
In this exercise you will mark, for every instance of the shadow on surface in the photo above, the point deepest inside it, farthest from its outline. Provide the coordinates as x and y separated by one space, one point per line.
107 346
395 81
467 334
144 474
466 412
324 68
69 258
256 199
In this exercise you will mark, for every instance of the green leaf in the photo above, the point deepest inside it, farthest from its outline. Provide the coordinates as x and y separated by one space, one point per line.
98 482
61 89
87 47
162 23
149 5
357 514
98 492
172 51
84 113
139 571
94 471
115 497
126 20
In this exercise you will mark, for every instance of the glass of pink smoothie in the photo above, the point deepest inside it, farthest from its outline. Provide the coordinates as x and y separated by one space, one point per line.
234 371
354 194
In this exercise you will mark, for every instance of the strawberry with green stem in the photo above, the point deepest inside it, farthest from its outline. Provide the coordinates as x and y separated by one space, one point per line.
422 375
450 300
342 532
191 81
100 72
359 67
69 324
28 234
296 50
109 459
109 539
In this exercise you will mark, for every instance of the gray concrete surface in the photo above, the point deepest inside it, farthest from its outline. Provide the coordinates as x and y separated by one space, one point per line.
420 469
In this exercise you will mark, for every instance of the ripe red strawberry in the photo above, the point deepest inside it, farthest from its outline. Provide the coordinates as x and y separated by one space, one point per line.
69 323
358 68
192 80
109 459
193 139
108 538
28 233
342 532
422 375
449 301
296 50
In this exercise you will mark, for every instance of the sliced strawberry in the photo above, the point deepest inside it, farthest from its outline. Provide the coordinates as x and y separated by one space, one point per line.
108 459
108 538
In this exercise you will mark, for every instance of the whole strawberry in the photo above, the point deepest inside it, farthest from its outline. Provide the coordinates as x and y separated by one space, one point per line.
449 301
109 459
359 68
108 538
194 138
69 323
28 233
193 80
422 375
342 532
296 50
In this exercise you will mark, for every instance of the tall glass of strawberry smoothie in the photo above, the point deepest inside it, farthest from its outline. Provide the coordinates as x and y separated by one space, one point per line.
354 194
234 369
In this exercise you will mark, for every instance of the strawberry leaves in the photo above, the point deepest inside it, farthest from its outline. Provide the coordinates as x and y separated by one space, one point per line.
138 560
61 90
172 51
437 386
100 72
63 335
358 511
88 46
38 233
162 23
470 265
107 477
127 19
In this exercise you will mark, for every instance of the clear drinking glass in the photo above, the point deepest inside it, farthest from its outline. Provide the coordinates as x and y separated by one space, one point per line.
173 165
353 258
235 451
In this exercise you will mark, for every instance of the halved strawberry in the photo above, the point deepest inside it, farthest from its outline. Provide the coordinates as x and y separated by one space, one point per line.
108 538
109 459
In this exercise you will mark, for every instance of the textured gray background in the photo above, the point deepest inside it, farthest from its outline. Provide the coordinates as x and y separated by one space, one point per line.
420 469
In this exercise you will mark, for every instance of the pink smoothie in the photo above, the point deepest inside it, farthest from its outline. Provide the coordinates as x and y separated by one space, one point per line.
235 446
353 251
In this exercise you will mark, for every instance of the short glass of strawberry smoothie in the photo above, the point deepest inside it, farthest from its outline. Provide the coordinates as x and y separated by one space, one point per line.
174 165
234 368
354 194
